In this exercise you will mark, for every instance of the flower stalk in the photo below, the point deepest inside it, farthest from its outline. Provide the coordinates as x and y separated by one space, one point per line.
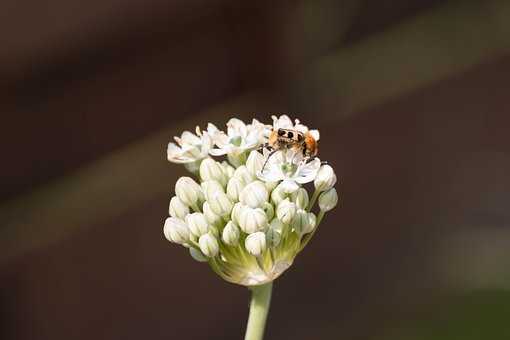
308 237
259 309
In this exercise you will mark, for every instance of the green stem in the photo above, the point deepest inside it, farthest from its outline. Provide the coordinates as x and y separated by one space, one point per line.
308 237
259 307
312 200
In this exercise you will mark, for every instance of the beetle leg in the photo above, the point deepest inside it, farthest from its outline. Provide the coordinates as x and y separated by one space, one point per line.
268 156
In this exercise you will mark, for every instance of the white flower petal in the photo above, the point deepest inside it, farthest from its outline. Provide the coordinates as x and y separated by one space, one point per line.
217 152
289 186
307 171
236 127
212 129
238 139
255 162
190 149
271 174
300 127
282 122
207 142
190 138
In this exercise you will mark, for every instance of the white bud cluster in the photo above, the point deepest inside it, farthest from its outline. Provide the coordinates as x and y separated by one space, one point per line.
248 216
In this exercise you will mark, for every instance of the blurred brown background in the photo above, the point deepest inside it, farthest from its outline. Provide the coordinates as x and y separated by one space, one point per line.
411 98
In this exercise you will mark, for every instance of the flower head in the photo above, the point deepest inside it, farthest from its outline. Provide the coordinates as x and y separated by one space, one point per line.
249 215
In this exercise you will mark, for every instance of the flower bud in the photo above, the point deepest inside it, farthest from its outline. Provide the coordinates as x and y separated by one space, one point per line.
300 221
288 186
252 220
312 223
278 195
236 210
234 188
269 210
286 211
244 175
328 200
300 197
325 178
209 245
231 234
255 243
210 216
277 225
209 187
188 191
255 162
177 208
210 170
254 194
273 237
303 222
176 230
197 224
197 255
220 204
228 169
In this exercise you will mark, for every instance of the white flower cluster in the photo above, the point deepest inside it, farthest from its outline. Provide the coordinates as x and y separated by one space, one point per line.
248 223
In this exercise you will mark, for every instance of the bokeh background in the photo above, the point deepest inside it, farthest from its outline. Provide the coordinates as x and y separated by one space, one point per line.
412 101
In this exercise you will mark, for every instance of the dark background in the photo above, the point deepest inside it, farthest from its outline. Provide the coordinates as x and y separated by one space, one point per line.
411 98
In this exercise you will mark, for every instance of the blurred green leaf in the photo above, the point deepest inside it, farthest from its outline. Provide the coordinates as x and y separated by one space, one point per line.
480 315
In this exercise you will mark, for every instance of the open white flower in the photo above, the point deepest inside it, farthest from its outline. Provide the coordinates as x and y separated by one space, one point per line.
190 149
291 168
239 139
